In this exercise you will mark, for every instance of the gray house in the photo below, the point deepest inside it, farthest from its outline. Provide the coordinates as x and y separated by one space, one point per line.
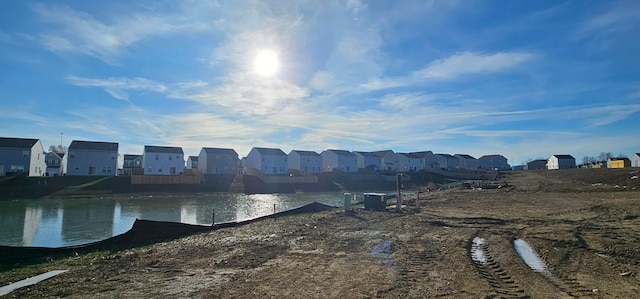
389 160
467 161
91 158
192 162
307 161
339 160
54 163
408 162
368 161
21 156
498 162
538 164
217 161
635 160
131 163
268 160
427 159
447 161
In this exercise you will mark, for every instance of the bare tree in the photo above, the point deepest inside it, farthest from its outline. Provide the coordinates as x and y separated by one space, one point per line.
604 156
59 149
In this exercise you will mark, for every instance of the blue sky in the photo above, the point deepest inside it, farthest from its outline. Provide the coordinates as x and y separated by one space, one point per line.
525 79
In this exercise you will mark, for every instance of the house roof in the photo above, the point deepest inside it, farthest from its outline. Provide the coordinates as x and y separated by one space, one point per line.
464 156
408 155
163 149
563 156
422 154
382 153
620 158
270 151
341 152
193 158
93 146
446 156
17 142
489 157
219 151
538 161
305 153
128 157
367 154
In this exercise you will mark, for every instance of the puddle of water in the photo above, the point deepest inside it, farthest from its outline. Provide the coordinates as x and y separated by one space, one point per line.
477 255
529 256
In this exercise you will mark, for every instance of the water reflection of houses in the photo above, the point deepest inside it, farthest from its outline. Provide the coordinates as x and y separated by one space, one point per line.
87 220
32 217
160 210
12 220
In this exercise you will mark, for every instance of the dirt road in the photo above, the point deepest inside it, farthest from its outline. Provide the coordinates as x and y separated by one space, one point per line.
583 230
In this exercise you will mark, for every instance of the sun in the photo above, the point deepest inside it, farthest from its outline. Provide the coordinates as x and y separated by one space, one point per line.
266 63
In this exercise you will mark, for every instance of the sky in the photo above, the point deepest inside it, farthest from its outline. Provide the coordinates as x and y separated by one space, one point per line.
525 79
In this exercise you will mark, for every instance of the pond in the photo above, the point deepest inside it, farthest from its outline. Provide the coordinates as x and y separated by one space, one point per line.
65 222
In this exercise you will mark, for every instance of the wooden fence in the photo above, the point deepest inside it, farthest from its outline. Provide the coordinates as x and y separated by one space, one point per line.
189 177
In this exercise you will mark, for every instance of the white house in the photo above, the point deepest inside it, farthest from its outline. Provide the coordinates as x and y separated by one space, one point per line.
447 161
21 155
268 160
389 160
91 158
635 160
162 160
427 159
54 163
131 162
307 161
368 161
217 161
467 161
341 160
192 162
494 162
408 162
561 162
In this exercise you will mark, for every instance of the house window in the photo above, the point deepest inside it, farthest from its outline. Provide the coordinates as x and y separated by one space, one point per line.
178 157
150 170
108 169
104 169
160 169
113 156
25 154
171 157
72 155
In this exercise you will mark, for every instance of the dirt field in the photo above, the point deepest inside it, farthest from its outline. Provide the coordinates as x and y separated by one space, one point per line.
583 224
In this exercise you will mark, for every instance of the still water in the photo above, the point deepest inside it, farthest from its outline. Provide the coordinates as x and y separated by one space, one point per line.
56 223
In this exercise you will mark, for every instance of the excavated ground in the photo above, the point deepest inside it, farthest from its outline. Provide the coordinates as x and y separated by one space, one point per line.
583 224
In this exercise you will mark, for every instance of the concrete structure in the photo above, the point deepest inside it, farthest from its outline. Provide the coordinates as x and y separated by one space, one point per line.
162 160
91 158
368 161
131 163
538 164
447 161
268 160
561 162
192 162
389 160
496 161
22 156
339 160
54 163
427 159
635 160
621 162
408 162
467 161
307 161
218 161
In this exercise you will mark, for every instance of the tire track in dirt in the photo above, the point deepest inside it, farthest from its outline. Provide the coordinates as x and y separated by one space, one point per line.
501 282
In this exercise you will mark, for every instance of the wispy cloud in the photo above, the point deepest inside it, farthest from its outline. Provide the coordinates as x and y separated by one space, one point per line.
118 87
456 67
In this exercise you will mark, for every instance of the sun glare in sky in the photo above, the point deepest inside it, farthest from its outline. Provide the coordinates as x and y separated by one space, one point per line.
266 63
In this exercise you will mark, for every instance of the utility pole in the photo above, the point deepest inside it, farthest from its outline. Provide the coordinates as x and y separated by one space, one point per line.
61 138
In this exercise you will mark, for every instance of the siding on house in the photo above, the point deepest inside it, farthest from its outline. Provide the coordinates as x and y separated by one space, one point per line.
91 158
307 161
22 155
268 160
618 162
162 160
213 160
192 162
635 160
561 162
389 160
408 162
467 161
340 160
131 162
54 163
447 161
428 159
369 161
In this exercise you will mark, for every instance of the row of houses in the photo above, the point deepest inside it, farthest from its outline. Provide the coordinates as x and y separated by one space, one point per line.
568 162
20 155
